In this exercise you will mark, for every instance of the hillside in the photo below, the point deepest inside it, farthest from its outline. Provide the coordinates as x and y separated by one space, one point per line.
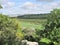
33 16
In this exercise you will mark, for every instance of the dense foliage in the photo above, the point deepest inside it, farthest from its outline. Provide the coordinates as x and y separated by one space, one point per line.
52 27
8 31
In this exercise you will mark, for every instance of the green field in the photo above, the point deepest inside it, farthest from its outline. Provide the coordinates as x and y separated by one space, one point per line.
35 23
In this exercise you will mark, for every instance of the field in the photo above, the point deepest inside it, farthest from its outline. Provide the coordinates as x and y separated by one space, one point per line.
35 23
13 30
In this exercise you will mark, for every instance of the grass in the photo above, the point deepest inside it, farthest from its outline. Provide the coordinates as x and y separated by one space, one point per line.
45 40
35 23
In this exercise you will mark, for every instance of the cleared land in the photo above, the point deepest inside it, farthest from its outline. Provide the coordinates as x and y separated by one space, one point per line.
35 23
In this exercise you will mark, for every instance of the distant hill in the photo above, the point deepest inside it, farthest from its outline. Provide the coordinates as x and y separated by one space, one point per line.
33 16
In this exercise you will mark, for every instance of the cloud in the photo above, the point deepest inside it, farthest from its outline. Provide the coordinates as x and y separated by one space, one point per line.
28 5
3 1
8 5
54 5
32 6
46 0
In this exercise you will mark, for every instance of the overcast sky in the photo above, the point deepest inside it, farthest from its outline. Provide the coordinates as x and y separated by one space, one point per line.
28 6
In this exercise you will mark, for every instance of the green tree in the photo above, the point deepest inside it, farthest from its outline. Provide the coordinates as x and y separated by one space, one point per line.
52 23
51 31
8 30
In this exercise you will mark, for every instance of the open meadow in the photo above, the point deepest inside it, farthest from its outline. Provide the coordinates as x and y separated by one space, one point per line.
35 23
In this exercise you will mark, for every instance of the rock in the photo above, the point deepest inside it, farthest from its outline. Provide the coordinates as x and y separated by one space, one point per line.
25 42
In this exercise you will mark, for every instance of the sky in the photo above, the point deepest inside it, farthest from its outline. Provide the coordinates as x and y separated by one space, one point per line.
28 6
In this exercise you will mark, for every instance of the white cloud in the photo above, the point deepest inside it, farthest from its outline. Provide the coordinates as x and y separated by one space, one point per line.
53 5
28 5
29 8
8 5
3 1
39 8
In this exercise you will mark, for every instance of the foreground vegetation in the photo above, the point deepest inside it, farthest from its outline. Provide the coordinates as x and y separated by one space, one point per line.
12 31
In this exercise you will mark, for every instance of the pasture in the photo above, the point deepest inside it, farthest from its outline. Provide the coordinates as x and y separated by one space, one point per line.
35 23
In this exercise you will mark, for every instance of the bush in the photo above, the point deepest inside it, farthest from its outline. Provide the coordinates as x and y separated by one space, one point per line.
8 31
